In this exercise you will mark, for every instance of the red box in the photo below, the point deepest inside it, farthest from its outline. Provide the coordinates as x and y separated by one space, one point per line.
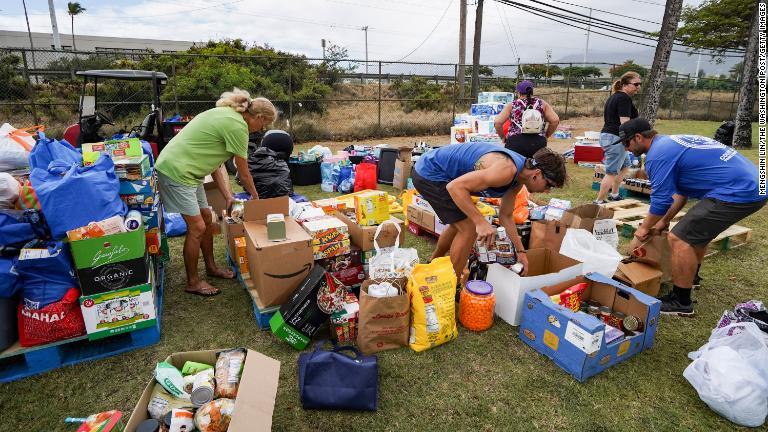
584 153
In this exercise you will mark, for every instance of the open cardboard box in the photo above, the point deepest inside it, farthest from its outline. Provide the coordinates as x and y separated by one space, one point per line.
213 195
276 268
642 276
575 341
362 236
403 166
545 267
255 395
584 216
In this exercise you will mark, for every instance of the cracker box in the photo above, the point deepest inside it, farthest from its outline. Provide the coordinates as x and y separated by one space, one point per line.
328 250
140 201
132 168
371 208
147 186
330 205
326 229
118 148
241 256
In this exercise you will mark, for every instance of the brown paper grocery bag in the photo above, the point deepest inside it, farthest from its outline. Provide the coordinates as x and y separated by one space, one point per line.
383 323
547 234
654 251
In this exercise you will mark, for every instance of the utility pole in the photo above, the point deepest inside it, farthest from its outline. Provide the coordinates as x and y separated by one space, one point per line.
698 65
365 29
54 26
548 54
476 50
322 42
29 32
462 45
586 47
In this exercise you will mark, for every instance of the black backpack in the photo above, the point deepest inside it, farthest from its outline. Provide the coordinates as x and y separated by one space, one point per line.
724 134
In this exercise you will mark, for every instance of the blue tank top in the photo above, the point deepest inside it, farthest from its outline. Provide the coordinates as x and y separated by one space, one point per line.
455 160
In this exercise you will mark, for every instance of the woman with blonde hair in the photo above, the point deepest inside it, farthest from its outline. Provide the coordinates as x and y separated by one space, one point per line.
618 109
198 150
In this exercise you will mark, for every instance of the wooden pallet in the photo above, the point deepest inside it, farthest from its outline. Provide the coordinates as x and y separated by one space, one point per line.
262 315
628 228
628 210
733 237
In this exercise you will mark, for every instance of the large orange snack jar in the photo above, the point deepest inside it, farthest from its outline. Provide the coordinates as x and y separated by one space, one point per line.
476 305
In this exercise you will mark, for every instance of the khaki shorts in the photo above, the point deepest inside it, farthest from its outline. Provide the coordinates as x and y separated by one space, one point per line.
180 198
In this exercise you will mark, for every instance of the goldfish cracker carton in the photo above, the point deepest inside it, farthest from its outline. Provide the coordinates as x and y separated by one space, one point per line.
371 208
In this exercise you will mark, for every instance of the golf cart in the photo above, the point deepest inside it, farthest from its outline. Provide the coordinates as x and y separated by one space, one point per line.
91 119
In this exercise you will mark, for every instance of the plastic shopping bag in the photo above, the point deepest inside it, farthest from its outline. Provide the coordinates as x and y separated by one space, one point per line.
521 206
730 374
50 150
56 321
15 145
432 289
80 196
365 177
391 262
45 272
597 256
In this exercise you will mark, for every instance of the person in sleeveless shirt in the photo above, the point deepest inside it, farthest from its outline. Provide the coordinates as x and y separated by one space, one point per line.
448 177
526 144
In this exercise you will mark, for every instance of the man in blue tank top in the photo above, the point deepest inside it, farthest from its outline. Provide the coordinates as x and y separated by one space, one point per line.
689 166
449 176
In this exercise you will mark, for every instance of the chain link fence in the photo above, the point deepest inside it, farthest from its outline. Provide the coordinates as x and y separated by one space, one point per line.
320 99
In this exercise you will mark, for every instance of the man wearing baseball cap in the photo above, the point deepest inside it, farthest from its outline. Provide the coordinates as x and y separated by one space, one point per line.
690 166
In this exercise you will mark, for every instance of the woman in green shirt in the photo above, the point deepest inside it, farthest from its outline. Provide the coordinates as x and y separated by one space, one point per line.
198 150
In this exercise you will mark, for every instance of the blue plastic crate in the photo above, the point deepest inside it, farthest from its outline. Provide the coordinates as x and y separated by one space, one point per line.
17 363
262 316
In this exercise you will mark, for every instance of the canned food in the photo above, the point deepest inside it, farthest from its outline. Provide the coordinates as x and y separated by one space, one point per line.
202 388
605 314
593 310
616 319
631 323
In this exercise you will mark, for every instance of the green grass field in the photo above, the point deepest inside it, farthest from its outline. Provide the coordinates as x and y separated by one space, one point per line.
481 381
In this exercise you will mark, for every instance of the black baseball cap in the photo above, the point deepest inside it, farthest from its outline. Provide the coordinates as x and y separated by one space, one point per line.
635 126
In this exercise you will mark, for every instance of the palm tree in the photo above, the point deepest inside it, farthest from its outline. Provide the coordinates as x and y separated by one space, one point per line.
74 9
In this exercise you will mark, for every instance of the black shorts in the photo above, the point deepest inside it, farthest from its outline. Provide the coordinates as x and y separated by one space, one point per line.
526 144
707 219
438 197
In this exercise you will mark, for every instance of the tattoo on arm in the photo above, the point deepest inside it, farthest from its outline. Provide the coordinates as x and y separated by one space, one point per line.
486 160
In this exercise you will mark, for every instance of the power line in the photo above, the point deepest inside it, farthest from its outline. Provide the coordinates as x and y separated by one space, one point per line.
186 11
430 33
649 2
550 14
608 12
523 8
504 27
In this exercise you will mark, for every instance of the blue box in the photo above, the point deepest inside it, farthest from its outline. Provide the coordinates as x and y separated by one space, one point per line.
147 185
490 109
575 341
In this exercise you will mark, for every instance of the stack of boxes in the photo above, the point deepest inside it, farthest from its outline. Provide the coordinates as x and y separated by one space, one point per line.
332 249
117 272
477 126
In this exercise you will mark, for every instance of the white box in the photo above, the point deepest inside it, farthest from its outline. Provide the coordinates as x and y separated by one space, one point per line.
546 267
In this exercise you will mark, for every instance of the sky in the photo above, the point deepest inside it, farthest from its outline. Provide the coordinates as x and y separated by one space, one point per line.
410 30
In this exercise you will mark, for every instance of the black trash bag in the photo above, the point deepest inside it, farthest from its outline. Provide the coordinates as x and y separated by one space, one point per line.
270 173
724 134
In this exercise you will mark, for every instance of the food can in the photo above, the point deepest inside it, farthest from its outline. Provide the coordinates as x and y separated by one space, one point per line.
617 319
605 314
631 323
593 310
202 388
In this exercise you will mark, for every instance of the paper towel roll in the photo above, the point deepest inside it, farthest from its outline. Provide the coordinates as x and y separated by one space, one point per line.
133 220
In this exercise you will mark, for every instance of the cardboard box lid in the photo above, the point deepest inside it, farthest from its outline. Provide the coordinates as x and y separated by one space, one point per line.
588 211
543 261
637 272
257 210
295 235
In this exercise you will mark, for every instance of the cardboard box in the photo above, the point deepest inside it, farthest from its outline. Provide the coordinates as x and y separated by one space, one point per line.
276 268
403 166
341 262
350 276
330 205
428 220
327 229
132 168
362 236
100 251
118 148
147 185
318 296
113 276
546 267
576 341
212 193
413 214
329 250
120 311
584 216
641 276
459 133
241 257
343 327
140 201
371 208
255 395
419 201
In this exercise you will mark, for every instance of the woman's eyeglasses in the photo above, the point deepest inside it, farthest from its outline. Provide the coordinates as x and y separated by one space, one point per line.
637 84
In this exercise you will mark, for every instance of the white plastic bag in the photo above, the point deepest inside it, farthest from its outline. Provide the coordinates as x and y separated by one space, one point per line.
605 230
597 256
730 373
9 191
15 145
392 262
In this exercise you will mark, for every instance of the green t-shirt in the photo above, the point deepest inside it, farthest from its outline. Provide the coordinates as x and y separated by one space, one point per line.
203 145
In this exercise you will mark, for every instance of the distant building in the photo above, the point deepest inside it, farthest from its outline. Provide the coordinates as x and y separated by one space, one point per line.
17 39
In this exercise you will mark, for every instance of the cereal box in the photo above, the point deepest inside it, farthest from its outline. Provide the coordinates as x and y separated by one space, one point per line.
119 148
371 208
344 322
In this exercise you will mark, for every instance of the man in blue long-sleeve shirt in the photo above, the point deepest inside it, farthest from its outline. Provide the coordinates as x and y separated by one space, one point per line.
690 166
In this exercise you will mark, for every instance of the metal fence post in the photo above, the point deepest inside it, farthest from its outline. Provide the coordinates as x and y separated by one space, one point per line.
711 91
454 95
674 90
173 76
567 89
378 129
290 98
30 89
